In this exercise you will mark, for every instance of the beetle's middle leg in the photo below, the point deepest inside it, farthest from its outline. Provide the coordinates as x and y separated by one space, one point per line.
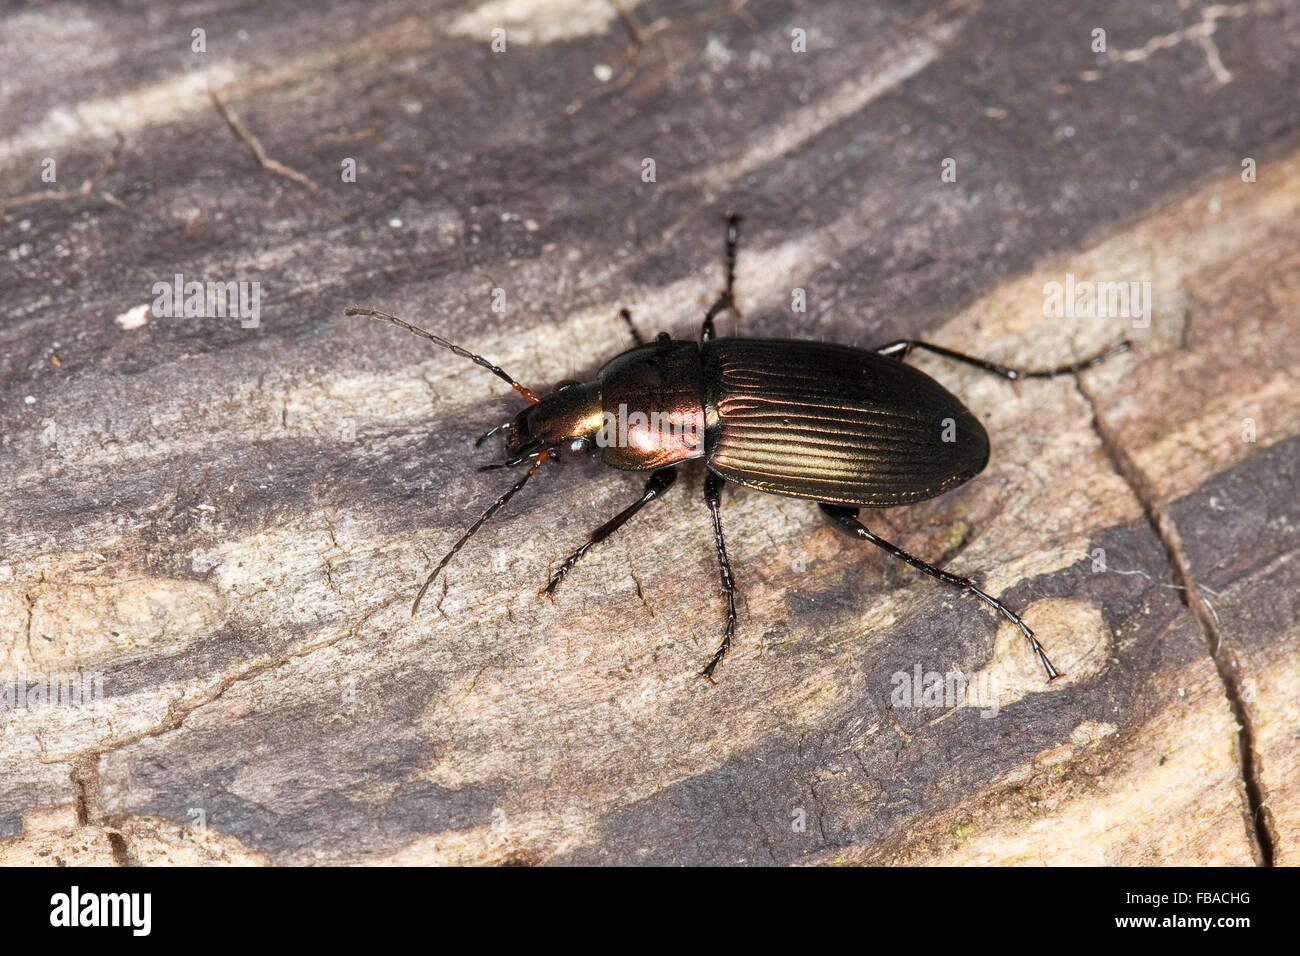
660 481
713 497
727 300
846 520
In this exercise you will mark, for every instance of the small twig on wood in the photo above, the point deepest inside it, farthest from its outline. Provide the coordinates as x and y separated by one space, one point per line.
87 186
639 33
255 144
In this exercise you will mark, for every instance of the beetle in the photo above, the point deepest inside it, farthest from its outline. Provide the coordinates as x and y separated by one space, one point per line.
844 427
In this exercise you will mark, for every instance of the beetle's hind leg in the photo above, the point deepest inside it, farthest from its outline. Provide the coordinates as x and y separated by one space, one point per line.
846 520
901 347
713 497
727 300
659 482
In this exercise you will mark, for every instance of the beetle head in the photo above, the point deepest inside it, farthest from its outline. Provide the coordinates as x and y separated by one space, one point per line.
565 420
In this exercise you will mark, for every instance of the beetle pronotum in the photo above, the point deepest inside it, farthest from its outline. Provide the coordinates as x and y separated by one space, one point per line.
845 427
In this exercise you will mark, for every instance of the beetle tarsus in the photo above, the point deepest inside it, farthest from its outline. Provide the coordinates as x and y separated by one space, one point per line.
1052 672
846 520
528 454
713 498
707 673
1034 643
626 316
482 520
901 348
733 240
727 299
659 482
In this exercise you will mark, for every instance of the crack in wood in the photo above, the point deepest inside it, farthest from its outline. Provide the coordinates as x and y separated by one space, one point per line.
178 711
1259 821
87 804
1202 31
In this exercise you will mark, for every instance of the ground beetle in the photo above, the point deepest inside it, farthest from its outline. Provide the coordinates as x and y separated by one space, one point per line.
844 427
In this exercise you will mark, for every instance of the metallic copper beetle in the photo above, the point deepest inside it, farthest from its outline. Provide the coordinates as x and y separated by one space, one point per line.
845 427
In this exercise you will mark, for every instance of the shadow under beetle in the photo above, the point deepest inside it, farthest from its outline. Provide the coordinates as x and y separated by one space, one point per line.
845 427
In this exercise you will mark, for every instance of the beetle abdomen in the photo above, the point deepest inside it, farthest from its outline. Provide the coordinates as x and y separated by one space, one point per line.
833 423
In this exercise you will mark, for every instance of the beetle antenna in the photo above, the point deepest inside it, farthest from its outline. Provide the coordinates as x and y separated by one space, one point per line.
478 360
492 509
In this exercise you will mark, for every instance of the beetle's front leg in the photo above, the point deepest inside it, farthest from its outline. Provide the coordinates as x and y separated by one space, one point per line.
478 443
727 300
846 520
659 482
713 497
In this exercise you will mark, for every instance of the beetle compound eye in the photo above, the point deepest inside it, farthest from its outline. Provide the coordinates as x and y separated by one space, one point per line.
567 383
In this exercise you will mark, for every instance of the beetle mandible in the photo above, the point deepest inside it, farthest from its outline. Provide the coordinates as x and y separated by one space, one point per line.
844 427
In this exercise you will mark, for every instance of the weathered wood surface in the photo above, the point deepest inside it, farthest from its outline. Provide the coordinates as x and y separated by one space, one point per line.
227 524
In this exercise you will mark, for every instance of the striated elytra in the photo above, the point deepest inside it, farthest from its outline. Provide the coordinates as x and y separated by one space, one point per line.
845 427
